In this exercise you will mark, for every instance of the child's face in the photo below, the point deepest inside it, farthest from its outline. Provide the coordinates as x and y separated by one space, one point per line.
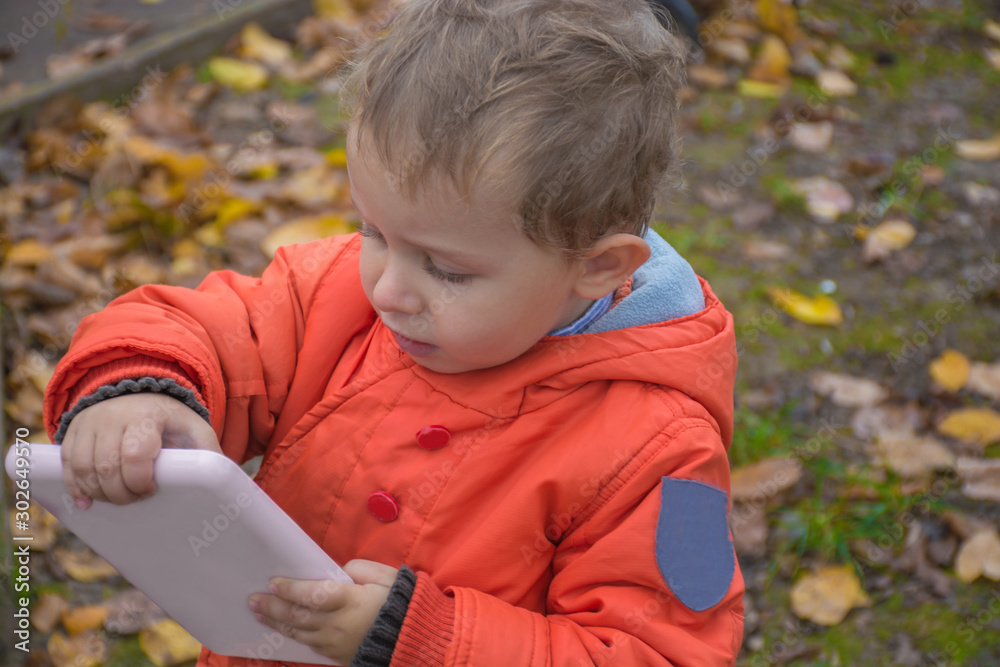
456 282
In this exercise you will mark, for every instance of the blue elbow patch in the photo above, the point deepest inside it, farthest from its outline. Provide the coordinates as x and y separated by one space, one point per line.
693 550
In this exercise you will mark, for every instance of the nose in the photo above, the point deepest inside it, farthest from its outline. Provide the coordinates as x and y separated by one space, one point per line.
394 291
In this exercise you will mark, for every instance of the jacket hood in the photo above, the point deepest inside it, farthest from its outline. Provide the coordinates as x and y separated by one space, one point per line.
694 354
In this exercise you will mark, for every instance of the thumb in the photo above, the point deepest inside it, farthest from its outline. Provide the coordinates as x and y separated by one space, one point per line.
370 572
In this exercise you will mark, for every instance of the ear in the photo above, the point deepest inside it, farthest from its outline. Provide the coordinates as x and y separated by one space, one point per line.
612 259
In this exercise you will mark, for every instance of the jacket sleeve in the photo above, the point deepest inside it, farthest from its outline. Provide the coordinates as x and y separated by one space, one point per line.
609 601
236 338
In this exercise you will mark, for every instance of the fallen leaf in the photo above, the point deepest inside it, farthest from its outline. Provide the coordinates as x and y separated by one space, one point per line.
257 44
315 187
779 16
979 556
828 595
303 230
47 611
878 421
885 238
81 619
980 426
912 456
129 611
825 199
820 310
992 56
750 215
706 76
980 478
167 643
950 370
980 195
731 48
238 74
931 174
749 525
835 83
992 29
811 137
765 251
984 379
83 565
840 57
85 650
27 253
771 65
847 390
764 479
978 150
761 89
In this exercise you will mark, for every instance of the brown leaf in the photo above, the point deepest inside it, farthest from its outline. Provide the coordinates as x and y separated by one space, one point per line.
979 426
85 650
828 595
911 456
835 83
764 479
979 556
980 477
749 216
878 421
811 137
130 611
950 370
167 643
706 76
979 150
826 200
84 565
765 251
84 618
885 238
749 525
731 49
847 390
984 379
47 611
771 65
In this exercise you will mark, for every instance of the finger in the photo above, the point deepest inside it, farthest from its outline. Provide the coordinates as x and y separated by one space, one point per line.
139 449
371 572
277 611
324 595
108 464
72 446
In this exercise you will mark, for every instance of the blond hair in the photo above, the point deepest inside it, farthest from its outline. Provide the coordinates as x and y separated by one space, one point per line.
567 108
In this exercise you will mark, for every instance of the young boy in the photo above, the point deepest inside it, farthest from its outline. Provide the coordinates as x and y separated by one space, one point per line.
504 402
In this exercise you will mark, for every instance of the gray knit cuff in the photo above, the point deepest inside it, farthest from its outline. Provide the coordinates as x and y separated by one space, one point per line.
142 385
380 642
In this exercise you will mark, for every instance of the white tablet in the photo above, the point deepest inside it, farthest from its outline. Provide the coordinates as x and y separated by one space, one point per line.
206 540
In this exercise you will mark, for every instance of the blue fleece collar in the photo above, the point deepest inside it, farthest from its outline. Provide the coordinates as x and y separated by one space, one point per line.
664 288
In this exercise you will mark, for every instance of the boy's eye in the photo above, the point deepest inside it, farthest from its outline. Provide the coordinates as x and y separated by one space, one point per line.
370 232
430 268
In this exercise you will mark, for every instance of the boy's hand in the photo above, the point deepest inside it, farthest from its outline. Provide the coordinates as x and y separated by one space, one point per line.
109 448
330 617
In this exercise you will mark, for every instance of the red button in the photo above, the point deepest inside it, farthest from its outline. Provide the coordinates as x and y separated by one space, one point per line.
383 506
433 437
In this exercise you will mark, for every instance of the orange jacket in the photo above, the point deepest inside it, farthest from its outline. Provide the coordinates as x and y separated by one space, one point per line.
534 519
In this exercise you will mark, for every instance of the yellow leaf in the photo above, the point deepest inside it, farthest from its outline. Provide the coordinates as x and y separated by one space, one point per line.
257 44
85 566
821 310
187 166
27 253
304 230
951 370
979 556
233 209
779 17
81 619
772 62
238 74
979 150
340 9
764 479
167 643
314 187
264 171
826 596
337 157
210 235
979 426
86 650
760 89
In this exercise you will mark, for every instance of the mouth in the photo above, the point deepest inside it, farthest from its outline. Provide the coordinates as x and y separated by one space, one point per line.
414 348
